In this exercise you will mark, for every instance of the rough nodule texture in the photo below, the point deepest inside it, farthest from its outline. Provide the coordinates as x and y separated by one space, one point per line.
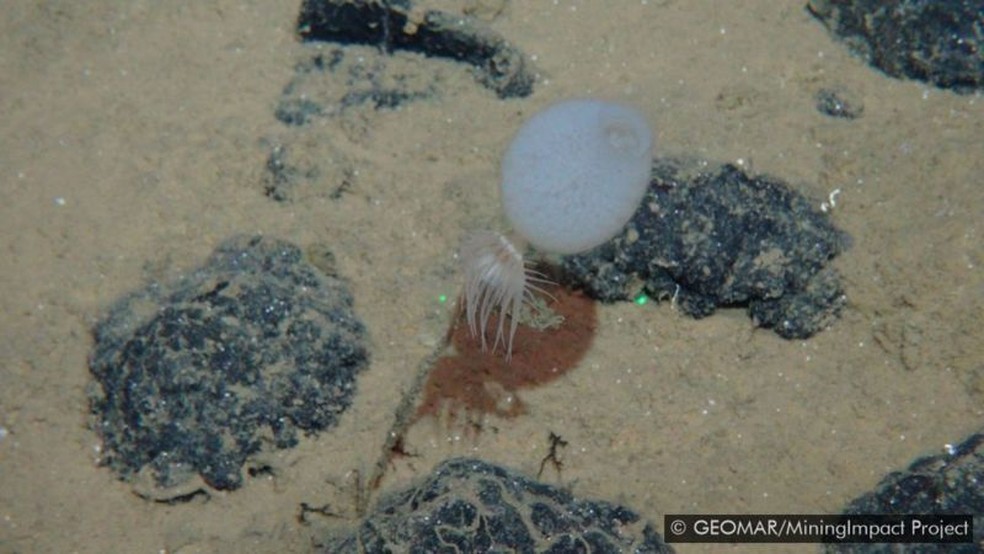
196 376
929 40
945 484
709 237
467 505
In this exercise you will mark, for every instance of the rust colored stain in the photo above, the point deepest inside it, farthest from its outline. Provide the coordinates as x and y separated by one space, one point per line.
474 382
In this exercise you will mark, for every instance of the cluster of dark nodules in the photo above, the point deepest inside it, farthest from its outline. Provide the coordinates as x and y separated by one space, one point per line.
194 377
468 505
241 355
330 81
708 236
938 42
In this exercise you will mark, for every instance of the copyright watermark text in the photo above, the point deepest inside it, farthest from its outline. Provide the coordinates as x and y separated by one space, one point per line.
811 528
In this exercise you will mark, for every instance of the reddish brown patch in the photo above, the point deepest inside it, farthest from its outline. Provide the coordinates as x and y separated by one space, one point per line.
475 382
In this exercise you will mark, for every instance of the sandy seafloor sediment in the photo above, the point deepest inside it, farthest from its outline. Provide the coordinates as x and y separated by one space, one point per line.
131 145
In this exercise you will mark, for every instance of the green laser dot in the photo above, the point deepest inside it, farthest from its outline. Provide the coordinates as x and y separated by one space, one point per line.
442 298
641 299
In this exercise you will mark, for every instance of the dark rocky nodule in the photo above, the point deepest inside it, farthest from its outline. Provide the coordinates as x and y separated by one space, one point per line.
196 376
467 505
941 43
709 236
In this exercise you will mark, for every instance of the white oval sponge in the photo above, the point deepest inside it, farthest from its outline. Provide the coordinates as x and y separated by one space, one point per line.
575 173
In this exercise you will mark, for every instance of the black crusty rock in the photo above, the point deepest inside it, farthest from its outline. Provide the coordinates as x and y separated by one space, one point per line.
938 42
195 376
708 236
947 483
468 505
403 25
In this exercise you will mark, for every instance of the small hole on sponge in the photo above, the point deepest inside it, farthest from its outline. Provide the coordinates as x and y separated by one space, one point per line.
622 137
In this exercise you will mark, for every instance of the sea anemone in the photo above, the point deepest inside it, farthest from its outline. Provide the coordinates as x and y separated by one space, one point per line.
571 178
496 279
